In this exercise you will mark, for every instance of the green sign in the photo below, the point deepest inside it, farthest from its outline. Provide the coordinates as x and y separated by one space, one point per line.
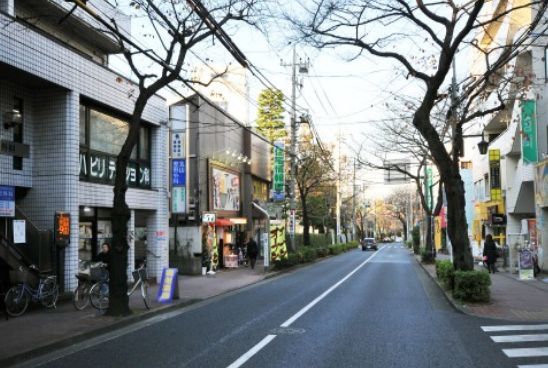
428 187
529 131
278 189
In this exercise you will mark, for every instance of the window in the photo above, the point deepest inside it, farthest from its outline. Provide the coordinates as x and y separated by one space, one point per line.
107 134
102 136
18 132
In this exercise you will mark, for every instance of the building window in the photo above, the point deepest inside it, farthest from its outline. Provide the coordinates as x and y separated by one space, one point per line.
18 132
466 165
102 136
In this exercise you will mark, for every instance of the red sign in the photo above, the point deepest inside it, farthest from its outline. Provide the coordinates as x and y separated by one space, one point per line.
62 228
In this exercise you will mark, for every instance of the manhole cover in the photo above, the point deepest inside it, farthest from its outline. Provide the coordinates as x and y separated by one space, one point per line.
287 331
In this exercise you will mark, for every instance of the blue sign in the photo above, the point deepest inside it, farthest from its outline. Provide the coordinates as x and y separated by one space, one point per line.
178 173
7 201
169 286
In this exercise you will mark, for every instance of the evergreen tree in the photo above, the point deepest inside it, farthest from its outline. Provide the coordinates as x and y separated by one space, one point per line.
270 117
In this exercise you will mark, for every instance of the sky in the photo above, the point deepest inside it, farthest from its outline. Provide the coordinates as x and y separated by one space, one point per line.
346 100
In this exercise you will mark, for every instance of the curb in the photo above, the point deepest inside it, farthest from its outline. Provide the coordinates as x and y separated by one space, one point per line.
457 307
127 321
121 323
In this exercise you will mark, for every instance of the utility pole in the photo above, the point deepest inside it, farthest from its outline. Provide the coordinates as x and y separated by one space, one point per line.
303 68
354 202
338 204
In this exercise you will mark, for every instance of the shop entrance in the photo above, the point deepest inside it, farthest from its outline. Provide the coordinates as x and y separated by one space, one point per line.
95 229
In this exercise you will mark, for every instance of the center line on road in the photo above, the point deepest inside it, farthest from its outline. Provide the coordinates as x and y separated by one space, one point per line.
325 293
254 350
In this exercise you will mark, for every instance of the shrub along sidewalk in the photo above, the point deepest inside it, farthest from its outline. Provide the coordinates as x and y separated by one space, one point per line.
498 295
306 254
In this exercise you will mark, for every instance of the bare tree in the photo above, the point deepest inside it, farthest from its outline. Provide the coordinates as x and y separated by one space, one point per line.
313 176
177 26
378 27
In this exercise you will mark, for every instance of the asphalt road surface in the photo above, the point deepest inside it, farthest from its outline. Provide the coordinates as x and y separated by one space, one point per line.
359 309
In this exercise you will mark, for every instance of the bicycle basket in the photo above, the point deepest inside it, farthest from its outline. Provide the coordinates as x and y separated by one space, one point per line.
139 273
96 273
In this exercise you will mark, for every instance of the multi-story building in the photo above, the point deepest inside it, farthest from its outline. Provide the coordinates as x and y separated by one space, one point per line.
63 118
504 177
220 176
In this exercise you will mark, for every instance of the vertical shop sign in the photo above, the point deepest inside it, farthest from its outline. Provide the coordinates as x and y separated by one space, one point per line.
62 229
529 131
178 186
428 186
278 188
494 175
278 248
7 201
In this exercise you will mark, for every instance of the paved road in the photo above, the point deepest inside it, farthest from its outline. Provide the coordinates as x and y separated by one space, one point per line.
360 309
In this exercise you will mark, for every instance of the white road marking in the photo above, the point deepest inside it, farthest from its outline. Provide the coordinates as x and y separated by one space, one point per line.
514 328
520 338
325 293
533 366
254 350
526 352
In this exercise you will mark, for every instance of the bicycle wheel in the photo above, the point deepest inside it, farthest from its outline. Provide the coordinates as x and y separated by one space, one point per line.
144 294
81 296
98 296
49 293
16 301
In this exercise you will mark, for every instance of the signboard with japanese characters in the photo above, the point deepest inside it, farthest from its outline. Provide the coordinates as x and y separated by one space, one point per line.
169 286
529 131
7 201
278 187
62 229
178 200
178 173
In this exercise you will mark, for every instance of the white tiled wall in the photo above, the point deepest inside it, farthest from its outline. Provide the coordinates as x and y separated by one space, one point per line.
52 131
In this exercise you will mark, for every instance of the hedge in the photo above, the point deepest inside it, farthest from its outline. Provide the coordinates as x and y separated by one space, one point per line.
307 254
472 286
445 271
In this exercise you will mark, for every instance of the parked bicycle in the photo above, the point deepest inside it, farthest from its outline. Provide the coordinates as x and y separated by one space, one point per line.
18 297
88 274
99 293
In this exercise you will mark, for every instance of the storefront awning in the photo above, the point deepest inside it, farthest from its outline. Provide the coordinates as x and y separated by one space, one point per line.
230 221
223 222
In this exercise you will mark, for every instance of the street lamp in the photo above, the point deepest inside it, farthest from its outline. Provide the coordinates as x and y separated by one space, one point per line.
483 145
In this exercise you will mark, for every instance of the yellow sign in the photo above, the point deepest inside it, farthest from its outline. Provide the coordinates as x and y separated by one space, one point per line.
437 232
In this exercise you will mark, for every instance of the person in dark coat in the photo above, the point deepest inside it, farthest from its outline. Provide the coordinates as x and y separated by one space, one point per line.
490 251
104 256
252 251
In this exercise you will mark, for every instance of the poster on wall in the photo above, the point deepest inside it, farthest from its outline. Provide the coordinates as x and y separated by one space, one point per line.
225 190
19 232
7 201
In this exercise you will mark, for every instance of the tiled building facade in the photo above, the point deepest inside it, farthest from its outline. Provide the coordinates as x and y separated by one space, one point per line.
55 82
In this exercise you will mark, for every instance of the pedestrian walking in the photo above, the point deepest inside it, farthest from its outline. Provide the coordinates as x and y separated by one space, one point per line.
252 251
490 251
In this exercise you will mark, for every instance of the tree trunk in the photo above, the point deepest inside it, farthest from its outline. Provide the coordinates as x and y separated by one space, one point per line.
457 227
118 298
306 222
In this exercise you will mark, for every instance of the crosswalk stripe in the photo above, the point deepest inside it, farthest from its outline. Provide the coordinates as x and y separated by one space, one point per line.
533 366
526 352
514 328
520 338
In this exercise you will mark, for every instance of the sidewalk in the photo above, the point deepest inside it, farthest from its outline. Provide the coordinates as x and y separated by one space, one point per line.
41 330
511 299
